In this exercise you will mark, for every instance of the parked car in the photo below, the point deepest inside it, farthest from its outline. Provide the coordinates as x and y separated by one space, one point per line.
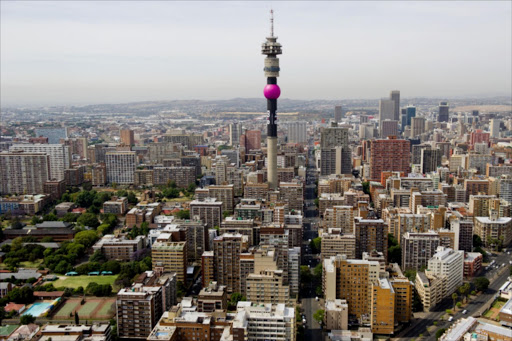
464 311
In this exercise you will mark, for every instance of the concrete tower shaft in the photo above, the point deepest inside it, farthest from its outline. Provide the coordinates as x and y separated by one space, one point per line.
271 48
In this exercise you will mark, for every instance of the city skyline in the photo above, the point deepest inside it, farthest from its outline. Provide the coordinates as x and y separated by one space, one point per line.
110 53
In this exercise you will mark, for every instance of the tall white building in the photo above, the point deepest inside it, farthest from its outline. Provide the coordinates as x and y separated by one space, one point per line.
120 167
60 156
297 132
506 188
386 111
450 264
235 130
495 128
265 321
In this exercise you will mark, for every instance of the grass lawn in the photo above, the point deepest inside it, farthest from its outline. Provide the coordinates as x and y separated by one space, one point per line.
488 313
26 265
68 307
83 281
498 304
88 307
107 308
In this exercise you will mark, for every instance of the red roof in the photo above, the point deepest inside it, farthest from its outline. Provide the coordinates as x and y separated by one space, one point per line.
13 306
48 293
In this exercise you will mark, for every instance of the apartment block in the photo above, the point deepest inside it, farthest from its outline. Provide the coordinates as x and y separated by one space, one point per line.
389 155
212 298
493 230
209 211
338 244
172 256
227 249
336 314
23 173
371 234
60 157
418 248
119 248
138 310
120 167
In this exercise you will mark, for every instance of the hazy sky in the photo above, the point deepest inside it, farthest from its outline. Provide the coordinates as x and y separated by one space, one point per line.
86 52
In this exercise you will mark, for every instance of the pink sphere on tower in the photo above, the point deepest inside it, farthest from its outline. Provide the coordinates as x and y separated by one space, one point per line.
272 91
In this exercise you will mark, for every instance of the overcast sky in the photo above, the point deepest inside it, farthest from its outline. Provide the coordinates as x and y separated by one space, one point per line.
87 52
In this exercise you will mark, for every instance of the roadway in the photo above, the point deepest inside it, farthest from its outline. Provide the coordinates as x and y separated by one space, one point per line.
310 305
475 308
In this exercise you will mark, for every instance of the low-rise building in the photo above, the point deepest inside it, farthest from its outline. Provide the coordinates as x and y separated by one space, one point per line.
119 248
336 314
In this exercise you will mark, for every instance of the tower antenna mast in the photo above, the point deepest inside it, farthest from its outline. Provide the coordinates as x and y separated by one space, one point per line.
271 22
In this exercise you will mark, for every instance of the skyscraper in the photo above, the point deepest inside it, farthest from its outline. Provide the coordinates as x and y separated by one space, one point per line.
443 112
297 132
395 97
389 155
417 126
235 130
495 128
386 112
120 167
338 113
23 172
430 160
271 48
60 157
335 153
411 112
127 137
389 128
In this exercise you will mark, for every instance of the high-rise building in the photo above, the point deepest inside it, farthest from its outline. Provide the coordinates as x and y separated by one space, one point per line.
350 280
60 157
208 211
334 244
297 132
271 48
430 160
172 256
227 249
23 172
395 97
495 128
371 234
382 300
127 137
479 136
506 188
138 310
338 113
450 264
493 230
411 112
235 131
53 134
386 112
121 167
335 154
418 248
292 193
389 155
251 140
264 322
443 115
417 126
389 128
267 286
463 233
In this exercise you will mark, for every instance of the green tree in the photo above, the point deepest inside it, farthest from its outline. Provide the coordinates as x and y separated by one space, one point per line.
85 198
50 217
440 333
226 214
411 274
16 224
366 187
305 274
395 254
454 298
132 199
481 283
183 214
316 245
87 186
69 217
464 290
36 220
448 311
317 202
87 238
235 298
88 219
319 316
27 319
459 304
2 314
